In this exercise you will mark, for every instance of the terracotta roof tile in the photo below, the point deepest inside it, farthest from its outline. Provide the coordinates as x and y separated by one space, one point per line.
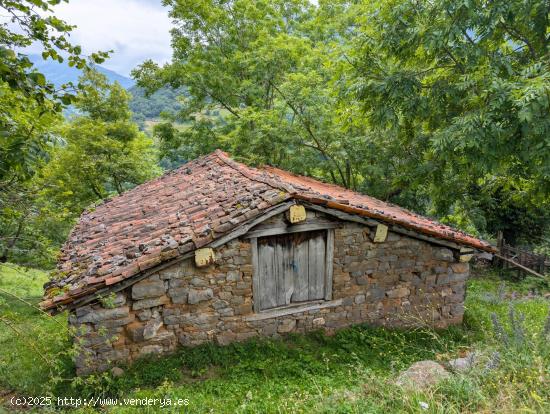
188 208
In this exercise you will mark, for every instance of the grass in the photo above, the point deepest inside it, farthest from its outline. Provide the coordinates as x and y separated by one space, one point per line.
350 372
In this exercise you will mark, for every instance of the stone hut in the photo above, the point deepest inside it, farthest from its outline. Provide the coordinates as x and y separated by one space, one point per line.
218 251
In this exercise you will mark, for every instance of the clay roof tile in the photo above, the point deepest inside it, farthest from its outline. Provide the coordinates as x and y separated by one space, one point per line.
191 206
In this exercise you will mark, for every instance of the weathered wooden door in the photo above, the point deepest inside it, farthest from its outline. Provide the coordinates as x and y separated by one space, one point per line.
291 268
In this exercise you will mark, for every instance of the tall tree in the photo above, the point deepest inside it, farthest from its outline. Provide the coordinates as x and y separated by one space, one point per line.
465 87
440 106
266 65
27 99
105 153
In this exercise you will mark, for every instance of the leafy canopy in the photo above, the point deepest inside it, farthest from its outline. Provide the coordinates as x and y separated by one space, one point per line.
26 96
439 106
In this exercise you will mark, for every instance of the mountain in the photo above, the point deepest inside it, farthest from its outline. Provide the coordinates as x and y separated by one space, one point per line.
144 107
59 73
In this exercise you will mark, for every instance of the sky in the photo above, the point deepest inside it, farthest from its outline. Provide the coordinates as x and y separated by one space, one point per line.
135 30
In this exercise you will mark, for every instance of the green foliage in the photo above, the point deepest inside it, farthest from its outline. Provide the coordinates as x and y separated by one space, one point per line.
33 345
26 96
101 153
269 68
435 106
162 101
105 153
467 84
352 371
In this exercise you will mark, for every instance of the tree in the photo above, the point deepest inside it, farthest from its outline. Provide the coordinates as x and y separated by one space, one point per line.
27 96
101 153
439 106
105 152
267 67
465 86
30 107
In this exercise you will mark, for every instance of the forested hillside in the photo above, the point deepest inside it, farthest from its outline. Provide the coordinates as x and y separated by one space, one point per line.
143 106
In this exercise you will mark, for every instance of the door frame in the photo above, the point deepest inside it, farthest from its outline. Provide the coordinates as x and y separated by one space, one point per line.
329 262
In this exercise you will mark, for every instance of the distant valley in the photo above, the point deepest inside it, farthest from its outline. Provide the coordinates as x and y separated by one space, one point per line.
145 108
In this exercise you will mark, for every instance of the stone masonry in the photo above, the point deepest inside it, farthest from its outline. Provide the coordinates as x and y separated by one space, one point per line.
401 282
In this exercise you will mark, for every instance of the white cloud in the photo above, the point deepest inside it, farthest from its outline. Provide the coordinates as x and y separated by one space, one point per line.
134 29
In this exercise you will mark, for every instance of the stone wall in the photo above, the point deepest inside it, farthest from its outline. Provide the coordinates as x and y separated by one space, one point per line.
401 282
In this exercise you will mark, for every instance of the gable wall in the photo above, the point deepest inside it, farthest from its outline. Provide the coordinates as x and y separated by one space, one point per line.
401 282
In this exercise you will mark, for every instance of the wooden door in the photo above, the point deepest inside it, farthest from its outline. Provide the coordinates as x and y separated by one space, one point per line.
291 268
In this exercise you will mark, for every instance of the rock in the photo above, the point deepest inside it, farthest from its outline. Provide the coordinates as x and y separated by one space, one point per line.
375 294
234 276
398 293
360 299
135 331
120 299
178 295
460 267
287 325
318 322
117 372
144 315
143 290
150 349
197 281
225 338
196 296
443 254
463 364
98 315
173 272
151 328
150 303
458 277
422 374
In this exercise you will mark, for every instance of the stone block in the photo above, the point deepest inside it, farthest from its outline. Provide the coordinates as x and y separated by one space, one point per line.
198 282
239 260
98 315
286 325
147 289
196 296
318 322
375 294
360 299
150 303
174 272
442 253
225 295
79 312
404 264
179 295
234 276
458 277
151 350
398 292
113 323
457 309
442 279
135 331
151 328
243 309
460 267
115 355
225 338
120 299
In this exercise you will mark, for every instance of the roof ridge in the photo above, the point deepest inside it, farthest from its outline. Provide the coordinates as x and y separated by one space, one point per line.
245 171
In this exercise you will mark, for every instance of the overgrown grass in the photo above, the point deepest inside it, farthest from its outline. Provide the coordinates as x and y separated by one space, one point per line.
32 344
350 372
